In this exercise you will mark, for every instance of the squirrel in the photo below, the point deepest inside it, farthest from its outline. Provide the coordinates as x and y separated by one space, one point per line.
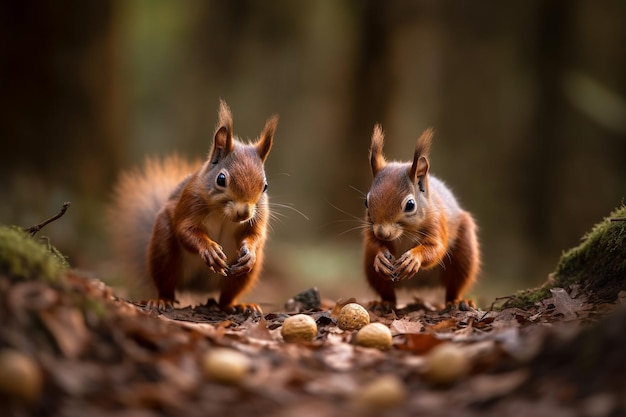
197 227
415 228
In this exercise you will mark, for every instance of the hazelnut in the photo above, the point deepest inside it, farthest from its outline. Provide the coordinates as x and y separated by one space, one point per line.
225 365
384 392
374 335
446 363
353 316
20 376
299 328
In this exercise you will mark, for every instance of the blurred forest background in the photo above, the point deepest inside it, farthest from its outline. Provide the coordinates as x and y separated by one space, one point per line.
528 100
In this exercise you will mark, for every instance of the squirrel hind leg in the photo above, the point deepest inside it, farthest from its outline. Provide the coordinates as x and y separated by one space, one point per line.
234 286
462 264
384 288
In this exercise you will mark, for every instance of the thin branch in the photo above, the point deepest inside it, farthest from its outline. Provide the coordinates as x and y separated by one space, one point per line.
34 229
618 219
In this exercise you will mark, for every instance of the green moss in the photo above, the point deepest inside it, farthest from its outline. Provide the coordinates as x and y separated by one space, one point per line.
524 299
24 258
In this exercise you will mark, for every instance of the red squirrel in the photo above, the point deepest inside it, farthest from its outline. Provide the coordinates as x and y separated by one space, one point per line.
415 228
197 227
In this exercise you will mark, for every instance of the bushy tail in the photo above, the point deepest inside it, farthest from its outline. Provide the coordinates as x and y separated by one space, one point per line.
137 197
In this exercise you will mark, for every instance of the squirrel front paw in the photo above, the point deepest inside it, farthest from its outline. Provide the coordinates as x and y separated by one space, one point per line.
384 264
245 262
214 257
407 265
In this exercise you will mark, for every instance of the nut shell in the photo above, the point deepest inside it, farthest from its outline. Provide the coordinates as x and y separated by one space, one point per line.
374 335
353 316
386 391
20 376
299 328
446 363
225 365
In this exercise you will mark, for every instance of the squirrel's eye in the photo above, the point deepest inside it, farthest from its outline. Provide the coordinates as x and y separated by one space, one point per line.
410 206
367 197
221 180
265 187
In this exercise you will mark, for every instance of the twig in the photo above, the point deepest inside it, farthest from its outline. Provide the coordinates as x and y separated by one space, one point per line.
498 299
34 229
618 219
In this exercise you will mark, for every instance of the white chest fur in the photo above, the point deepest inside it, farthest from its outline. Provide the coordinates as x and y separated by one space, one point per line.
222 231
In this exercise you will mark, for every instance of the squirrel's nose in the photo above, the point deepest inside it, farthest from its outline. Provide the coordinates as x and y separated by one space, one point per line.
384 232
243 213
382 235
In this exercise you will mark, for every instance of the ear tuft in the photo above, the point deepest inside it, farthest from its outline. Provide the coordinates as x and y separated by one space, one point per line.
264 144
225 117
377 159
223 139
420 165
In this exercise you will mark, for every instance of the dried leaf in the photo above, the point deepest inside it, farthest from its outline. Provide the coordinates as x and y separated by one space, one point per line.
445 325
564 304
67 326
259 330
401 326
418 343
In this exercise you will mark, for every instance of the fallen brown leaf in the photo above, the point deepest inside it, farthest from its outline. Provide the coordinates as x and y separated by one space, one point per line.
403 326
417 343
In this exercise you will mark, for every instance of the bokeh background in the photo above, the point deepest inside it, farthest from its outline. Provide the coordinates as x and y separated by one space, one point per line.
528 100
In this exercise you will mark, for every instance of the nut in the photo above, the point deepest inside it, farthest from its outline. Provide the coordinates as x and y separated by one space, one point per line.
20 376
299 328
384 392
446 363
225 365
374 335
353 316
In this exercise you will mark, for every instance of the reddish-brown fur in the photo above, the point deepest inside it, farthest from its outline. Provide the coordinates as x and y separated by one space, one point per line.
435 239
223 227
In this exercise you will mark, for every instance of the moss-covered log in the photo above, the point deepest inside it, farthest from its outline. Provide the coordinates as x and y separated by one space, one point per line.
598 265
23 257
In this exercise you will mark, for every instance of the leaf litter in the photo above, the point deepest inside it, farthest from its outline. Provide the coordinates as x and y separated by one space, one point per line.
70 347
100 354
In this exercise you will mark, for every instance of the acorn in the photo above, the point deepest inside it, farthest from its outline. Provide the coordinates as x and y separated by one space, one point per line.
445 364
299 328
386 391
225 365
374 335
353 316
20 376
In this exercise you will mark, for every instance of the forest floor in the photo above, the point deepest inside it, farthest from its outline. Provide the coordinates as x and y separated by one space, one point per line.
69 346
100 355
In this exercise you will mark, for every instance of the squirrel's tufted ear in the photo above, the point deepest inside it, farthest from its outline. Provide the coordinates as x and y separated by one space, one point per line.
264 144
223 140
420 165
377 159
